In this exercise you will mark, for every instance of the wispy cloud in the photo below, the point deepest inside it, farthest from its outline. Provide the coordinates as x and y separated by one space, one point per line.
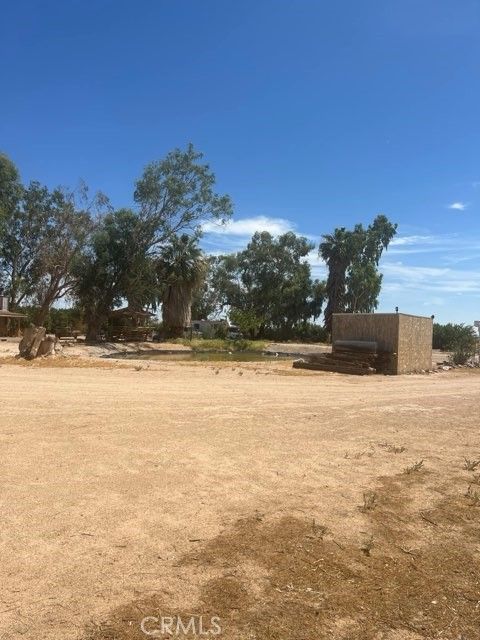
246 227
236 233
458 206
399 277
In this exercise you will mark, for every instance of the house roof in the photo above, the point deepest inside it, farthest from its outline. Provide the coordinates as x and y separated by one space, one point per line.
10 314
126 311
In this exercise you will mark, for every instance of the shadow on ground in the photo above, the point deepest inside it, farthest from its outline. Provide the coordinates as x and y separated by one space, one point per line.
412 574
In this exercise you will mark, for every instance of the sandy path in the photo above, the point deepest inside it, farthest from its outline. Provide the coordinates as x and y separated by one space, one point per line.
107 475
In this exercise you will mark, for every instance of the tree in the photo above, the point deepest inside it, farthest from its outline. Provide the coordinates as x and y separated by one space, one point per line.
65 233
175 195
114 267
352 258
207 300
181 270
270 283
22 220
362 288
11 192
43 234
461 339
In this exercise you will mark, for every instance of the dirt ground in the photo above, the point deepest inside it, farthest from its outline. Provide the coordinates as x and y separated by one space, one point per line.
276 504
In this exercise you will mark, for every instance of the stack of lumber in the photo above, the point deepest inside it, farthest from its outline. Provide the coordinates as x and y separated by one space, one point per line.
348 356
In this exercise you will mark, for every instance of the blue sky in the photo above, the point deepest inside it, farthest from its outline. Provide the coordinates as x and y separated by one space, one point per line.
312 115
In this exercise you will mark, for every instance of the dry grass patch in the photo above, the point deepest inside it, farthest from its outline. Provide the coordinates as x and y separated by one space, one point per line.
279 579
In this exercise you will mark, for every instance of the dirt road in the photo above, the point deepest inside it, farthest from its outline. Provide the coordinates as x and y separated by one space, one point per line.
130 491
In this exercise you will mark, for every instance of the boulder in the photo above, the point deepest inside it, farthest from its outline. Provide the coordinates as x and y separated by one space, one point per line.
30 343
47 346
37 343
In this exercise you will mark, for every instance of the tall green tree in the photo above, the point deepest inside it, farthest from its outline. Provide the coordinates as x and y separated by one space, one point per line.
176 195
352 258
130 250
270 283
42 234
114 267
182 269
66 232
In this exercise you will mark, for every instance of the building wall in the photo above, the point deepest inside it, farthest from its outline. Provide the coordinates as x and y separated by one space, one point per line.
381 328
414 344
3 327
407 338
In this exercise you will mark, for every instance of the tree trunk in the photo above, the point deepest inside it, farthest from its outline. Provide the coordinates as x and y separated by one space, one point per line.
41 314
177 310
96 320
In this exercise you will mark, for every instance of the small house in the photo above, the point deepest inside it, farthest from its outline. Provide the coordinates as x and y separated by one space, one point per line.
131 325
9 321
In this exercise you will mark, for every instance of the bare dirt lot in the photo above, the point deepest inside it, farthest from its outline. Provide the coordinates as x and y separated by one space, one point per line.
287 505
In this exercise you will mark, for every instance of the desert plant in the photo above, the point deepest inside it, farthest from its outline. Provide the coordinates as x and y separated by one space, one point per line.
391 448
416 466
473 496
471 465
367 545
369 501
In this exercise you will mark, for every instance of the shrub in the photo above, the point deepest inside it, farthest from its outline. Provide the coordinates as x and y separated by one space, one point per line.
459 338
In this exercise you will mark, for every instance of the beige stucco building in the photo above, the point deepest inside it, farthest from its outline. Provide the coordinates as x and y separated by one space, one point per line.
407 338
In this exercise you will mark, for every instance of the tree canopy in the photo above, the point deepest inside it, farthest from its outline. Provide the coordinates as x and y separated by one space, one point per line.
268 286
352 258
56 243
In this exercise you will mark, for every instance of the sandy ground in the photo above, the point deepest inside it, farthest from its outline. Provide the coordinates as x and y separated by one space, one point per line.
274 499
72 349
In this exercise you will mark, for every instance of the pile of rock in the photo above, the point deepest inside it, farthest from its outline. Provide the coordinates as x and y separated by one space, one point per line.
37 343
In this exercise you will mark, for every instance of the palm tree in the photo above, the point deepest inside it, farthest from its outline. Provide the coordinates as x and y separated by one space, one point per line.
182 268
338 251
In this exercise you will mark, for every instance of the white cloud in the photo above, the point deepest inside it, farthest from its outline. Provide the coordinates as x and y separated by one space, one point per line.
418 279
246 227
412 240
317 265
236 233
458 206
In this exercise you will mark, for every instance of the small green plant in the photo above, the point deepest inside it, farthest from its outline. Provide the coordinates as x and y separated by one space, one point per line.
471 465
201 345
416 466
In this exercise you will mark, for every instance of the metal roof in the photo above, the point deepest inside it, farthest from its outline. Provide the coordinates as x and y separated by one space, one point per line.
10 314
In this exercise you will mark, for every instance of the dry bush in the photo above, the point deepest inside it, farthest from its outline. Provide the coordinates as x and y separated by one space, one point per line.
471 465
391 448
369 501
416 466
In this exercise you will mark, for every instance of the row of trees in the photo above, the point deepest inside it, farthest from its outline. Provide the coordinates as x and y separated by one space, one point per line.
59 243
269 289
63 244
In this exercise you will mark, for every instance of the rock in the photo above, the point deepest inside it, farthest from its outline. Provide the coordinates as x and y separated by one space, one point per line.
36 343
47 346
30 343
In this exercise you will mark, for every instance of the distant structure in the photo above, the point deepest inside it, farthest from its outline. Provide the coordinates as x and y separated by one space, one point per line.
9 321
405 341
368 343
